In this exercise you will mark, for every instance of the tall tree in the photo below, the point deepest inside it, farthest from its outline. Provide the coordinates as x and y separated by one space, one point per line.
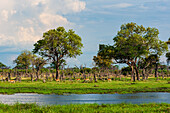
133 42
58 44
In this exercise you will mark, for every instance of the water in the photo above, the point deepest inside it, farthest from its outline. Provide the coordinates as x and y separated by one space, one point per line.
40 99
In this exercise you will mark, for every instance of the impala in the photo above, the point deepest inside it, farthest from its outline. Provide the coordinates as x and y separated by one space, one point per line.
78 79
57 80
109 79
86 79
12 81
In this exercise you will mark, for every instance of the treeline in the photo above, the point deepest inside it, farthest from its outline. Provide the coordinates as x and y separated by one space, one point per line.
138 47
79 74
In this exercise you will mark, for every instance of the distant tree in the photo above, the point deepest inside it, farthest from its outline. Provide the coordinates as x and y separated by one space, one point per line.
133 42
39 63
24 60
147 62
2 65
168 55
126 70
57 44
103 58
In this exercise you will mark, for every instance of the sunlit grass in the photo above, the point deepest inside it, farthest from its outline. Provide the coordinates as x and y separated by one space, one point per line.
86 108
100 87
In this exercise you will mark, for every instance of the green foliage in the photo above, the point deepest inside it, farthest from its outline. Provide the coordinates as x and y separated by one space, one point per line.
134 41
39 62
126 70
57 44
148 61
104 56
2 65
95 69
24 60
86 108
87 70
168 56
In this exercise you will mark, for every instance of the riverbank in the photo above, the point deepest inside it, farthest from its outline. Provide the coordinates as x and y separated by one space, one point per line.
77 87
85 108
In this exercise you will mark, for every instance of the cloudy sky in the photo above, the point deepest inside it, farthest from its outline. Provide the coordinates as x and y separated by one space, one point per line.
22 22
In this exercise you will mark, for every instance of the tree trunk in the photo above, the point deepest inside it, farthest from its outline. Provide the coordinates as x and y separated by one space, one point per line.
156 71
133 75
137 73
95 78
37 74
53 76
143 74
57 72
31 77
9 76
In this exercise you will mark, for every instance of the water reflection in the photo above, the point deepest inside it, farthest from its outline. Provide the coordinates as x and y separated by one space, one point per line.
41 99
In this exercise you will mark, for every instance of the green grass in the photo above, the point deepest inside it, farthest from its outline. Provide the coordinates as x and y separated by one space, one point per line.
86 108
84 88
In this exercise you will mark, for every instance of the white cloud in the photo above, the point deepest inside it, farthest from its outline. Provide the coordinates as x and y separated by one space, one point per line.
53 20
6 40
23 22
27 35
4 15
75 5
37 2
121 5
66 6
7 4
24 38
31 20
12 12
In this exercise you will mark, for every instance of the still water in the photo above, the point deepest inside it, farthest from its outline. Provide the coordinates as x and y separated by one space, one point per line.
136 98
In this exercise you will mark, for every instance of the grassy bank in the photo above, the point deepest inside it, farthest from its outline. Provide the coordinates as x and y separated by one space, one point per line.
86 108
84 88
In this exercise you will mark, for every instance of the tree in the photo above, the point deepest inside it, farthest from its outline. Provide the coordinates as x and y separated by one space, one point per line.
39 63
103 58
2 65
133 42
58 44
148 61
24 60
168 55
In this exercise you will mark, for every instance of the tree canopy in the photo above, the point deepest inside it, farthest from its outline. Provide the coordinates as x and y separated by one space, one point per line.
133 42
24 60
103 58
2 65
58 44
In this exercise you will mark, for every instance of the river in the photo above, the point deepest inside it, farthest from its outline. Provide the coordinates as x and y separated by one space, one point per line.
40 99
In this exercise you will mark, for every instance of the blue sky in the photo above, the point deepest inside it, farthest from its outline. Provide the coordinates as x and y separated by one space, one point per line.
23 22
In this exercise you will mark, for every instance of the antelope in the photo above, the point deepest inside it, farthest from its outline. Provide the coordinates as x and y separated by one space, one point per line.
78 79
12 81
57 80
109 79
86 79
